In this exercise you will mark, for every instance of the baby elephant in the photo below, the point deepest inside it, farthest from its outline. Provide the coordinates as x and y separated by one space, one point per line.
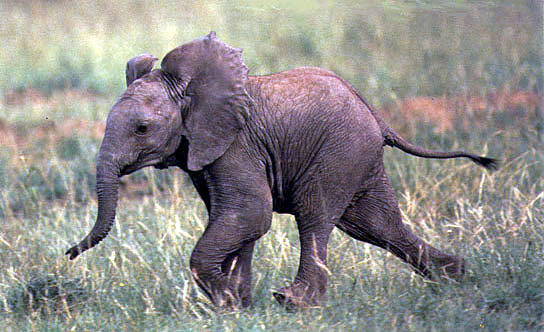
302 142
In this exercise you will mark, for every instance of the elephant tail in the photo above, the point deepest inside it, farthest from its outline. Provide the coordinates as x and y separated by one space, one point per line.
394 140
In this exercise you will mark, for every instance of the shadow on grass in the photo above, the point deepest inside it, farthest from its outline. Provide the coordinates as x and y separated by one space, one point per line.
46 294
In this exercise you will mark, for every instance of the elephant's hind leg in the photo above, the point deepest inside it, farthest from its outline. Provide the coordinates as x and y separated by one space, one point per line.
316 216
310 284
374 217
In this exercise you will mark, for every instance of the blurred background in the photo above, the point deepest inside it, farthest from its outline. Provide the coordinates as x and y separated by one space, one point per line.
446 74
430 67
389 50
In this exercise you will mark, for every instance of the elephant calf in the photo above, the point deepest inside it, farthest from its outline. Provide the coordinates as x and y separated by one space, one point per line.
302 142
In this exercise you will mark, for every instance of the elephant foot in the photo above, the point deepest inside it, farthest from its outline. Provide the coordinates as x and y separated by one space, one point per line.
229 303
298 296
226 298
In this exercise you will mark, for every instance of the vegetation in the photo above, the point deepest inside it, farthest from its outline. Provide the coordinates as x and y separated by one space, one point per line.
63 66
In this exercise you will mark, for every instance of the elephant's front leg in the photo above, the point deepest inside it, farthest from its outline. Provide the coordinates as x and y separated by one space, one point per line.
221 260
237 267
221 263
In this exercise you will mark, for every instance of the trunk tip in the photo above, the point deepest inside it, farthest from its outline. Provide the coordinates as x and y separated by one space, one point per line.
73 252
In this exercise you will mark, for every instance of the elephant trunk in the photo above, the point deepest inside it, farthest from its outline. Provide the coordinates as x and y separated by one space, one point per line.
107 187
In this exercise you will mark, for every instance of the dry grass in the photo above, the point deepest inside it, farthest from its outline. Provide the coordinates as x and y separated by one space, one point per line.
139 277
447 114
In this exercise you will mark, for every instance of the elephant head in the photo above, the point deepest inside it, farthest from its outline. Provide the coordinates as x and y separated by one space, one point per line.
198 94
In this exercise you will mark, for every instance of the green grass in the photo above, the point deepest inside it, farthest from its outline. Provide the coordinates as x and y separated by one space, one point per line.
65 71
138 278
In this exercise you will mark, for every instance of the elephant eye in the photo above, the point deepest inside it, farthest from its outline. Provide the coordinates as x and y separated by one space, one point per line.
141 129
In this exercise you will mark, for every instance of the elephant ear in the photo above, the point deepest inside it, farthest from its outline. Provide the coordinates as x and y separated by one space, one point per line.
210 78
139 66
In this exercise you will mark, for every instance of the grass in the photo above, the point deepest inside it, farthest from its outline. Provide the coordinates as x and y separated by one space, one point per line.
139 277
65 73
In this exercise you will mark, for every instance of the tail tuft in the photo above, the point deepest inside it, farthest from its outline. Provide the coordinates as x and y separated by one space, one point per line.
488 163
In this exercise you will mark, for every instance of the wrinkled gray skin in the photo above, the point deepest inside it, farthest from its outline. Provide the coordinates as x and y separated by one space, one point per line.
301 142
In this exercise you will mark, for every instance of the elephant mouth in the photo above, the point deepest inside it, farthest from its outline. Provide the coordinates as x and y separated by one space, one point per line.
167 162
129 169
162 165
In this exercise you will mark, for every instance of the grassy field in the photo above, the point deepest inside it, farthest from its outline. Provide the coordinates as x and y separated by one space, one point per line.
478 66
